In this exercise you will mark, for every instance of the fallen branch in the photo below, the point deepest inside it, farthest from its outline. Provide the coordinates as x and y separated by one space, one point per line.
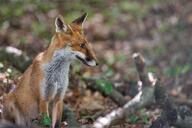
16 58
180 117
140 65
117 97
144 98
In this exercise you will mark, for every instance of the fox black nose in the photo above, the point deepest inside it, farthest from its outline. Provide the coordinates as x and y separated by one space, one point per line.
97 63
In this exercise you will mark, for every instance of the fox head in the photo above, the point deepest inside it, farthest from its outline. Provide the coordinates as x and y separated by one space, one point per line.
71 43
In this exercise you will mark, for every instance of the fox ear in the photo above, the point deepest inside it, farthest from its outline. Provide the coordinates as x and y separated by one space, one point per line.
60 24
80 20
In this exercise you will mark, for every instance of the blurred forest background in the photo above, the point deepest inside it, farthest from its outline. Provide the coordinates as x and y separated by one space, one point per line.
160 30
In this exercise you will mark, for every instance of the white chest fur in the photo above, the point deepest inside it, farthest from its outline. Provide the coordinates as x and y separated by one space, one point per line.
56 75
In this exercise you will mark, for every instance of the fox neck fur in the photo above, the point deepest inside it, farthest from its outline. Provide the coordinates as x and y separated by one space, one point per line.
56 73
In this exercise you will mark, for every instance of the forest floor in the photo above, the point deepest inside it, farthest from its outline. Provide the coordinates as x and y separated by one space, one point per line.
159 31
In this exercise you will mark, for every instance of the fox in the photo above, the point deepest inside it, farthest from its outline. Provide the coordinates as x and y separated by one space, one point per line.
42 87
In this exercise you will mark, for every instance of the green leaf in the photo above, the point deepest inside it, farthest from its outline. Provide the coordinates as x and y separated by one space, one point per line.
145 119
105 86
46 120
133 119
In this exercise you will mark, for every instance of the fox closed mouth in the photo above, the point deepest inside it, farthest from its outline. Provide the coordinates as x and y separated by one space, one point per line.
82 60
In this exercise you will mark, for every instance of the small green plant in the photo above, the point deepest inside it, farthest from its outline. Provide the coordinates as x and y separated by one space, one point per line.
140 117
105 86
144 117
133 119
46 120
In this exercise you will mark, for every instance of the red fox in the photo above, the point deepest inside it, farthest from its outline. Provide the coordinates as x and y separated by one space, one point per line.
46 79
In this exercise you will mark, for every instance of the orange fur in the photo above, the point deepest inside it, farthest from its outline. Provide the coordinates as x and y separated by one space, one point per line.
26 102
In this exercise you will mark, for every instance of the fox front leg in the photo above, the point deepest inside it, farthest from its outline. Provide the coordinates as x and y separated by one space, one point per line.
44 107
57 113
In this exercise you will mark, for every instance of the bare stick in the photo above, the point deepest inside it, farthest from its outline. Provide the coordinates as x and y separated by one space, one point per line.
140 65
143 98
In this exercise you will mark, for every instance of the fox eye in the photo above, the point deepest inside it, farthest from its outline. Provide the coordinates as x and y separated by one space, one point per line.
82 45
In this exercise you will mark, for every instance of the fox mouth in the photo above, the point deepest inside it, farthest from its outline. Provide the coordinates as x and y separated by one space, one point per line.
82 60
